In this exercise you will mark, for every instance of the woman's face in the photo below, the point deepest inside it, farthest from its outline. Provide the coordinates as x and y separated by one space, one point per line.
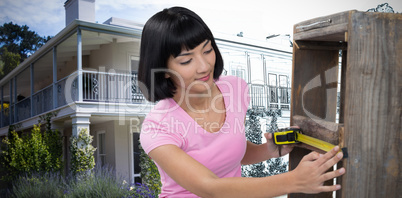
192 70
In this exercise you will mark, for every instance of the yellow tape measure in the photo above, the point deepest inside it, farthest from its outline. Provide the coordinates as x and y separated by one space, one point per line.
294 135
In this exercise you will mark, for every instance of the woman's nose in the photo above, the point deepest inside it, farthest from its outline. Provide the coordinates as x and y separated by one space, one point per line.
203 65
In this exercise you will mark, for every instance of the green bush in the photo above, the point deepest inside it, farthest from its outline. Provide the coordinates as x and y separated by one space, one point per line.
149 173
82 153
53 139
33 152
25 154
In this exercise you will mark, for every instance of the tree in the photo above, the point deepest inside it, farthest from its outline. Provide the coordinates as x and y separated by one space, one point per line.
254 135
382 8
8 62
18 40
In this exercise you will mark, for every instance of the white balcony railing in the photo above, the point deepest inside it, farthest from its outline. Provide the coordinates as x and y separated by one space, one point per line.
114 88
97 87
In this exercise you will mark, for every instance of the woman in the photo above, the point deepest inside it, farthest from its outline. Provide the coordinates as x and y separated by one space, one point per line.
195 133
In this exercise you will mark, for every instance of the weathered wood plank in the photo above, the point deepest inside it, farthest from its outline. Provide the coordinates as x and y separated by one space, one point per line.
318 128
312 94
341 115
373 106
326 28
320 45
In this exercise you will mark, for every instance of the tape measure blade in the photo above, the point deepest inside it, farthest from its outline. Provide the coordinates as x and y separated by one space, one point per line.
325 146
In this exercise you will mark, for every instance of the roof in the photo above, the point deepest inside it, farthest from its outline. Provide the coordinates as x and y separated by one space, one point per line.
63 34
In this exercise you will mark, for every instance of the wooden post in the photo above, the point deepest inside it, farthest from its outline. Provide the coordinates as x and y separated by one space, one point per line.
371 95
373 106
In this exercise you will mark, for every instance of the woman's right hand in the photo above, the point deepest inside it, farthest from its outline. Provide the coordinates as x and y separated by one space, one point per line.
311 173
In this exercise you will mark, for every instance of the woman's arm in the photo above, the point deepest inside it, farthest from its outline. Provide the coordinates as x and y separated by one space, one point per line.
308 177
260 152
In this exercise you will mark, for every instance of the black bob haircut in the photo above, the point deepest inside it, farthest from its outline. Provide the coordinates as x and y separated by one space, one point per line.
165 34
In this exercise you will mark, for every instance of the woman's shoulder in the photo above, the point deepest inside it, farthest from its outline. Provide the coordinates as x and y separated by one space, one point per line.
232 83
160 111
231 79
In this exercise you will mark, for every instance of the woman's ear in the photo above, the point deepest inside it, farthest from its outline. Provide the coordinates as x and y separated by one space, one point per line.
167 75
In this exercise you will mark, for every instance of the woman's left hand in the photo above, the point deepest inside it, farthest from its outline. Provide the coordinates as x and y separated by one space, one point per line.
274 149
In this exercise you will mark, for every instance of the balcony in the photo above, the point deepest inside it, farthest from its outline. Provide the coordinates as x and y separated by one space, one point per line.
264 96
105 87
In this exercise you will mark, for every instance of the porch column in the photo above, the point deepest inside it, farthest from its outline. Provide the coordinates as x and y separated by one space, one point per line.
2 106
15 99
10 117
248 68
79 65
55 77
80 121
31 68
249 78
264 76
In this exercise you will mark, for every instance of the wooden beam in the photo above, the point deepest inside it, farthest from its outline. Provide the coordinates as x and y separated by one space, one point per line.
320 129
320 45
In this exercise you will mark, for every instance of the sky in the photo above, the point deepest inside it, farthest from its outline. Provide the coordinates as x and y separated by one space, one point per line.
255 18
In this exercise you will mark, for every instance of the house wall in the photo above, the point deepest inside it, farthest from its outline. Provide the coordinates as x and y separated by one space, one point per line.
122 149
118 142
108 128
114 56
70 66
66 68
122 52
101 59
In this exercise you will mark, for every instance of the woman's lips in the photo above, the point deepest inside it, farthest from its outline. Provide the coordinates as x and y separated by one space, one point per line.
205 78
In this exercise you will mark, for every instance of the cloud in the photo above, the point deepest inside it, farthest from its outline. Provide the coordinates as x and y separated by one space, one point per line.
41 16
47 17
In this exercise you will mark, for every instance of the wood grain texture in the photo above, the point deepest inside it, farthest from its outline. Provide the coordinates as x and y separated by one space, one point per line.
312 95
371 97
326 28
372 116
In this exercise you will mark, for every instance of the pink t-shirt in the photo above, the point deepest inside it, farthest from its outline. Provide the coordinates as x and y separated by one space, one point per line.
221 152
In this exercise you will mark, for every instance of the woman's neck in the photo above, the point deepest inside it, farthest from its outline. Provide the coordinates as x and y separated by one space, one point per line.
196 102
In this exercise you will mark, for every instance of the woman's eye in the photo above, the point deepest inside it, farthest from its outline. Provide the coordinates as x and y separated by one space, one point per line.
209 51
185 63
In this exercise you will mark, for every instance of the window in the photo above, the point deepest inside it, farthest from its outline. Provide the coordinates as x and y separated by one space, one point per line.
284 89
134 62
273 89
241 73
258 98
101 148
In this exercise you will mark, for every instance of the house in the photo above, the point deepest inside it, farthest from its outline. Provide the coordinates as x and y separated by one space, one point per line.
88 74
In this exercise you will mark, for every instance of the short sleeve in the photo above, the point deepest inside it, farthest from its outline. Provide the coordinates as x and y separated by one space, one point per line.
155 134
245 93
